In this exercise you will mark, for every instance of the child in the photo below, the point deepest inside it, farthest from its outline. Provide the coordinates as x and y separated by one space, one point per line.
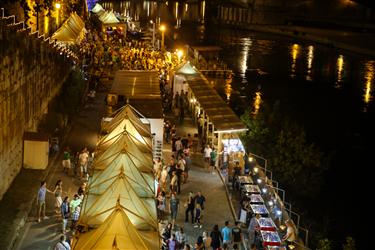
198 215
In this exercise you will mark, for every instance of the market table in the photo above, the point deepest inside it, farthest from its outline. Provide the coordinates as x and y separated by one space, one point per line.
255 198
266 224
245 179
250 189
270 238
259 209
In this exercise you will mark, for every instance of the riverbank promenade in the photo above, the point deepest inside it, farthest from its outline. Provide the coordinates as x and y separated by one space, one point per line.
84 133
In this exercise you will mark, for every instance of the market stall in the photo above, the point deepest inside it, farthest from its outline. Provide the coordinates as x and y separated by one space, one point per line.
266 224
259 209
270 238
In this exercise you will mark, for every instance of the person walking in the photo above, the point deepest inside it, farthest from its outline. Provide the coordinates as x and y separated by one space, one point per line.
75 218
207 154
181 238
190 205
66 161
83 162
174 182
198 216
206 240
65 213
163 178
236 173
213 156
227 233
41 200
253 225
161 205
58 193
62 244
216 237
174 204
236 236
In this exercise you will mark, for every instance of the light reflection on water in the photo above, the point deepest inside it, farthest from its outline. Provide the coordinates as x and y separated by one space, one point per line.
257 102
294 52
369 78
257 59
310 57
340 67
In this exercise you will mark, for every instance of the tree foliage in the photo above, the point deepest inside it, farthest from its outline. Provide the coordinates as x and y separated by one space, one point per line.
297 163
349 244
324 244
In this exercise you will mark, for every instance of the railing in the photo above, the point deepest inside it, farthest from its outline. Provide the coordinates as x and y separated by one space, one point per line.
286 207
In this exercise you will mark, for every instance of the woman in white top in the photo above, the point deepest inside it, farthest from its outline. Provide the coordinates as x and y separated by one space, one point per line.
291 232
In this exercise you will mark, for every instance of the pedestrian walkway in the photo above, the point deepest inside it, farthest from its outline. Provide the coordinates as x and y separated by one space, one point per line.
217 209
84 133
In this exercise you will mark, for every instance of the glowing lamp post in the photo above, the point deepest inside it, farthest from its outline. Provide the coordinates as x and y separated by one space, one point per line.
162 28
180 53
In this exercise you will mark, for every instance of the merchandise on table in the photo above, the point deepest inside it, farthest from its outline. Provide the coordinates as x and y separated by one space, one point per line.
245 179
256 198
234 152
270 238
266 224
250 189
259 209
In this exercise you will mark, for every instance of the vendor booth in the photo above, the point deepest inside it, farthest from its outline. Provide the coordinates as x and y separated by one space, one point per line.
116 232
218 125
140 89
35 150
179 79
71 32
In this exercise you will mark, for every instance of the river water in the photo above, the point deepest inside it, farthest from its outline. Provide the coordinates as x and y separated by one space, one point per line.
327 91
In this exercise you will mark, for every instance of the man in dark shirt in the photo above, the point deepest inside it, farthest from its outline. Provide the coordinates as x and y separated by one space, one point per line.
200 199
236 173
236 235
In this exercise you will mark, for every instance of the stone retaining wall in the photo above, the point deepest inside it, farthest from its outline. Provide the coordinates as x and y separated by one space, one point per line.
32 70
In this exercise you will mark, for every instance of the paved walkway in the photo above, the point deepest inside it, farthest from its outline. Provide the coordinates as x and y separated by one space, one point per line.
84 133
217 209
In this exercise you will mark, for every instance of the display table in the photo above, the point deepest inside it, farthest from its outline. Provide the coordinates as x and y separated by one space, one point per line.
256 199
250 189
245 179
270 238
266 224
259 209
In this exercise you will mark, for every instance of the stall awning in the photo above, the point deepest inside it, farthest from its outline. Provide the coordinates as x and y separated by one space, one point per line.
97 8
136 84
187 69
108 17
218 112
71 31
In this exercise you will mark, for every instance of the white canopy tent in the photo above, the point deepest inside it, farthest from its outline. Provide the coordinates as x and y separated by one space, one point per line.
124 143
97 9
131 113
179 79
143 183
141 211
108 17
72 31
117 232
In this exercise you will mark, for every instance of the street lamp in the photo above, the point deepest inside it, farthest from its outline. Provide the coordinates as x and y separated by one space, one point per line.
180 53
57 6
153 33
162 28
251 159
